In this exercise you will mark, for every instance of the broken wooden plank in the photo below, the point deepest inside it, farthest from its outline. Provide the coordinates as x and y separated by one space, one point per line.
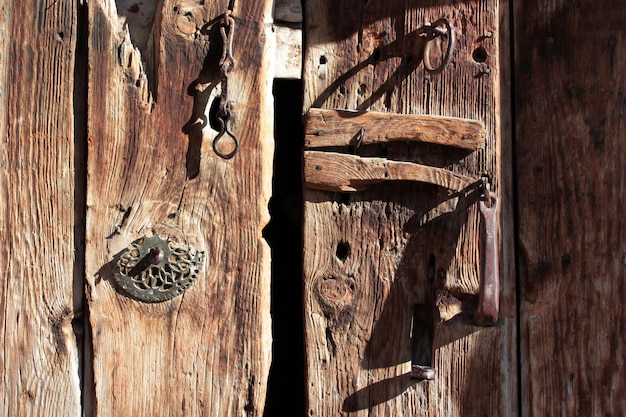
152 170
325 128
342 172
40 216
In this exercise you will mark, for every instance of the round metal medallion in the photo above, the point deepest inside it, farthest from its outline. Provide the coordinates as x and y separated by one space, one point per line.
154 269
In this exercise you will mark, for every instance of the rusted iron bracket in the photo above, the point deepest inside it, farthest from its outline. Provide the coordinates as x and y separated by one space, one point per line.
489 296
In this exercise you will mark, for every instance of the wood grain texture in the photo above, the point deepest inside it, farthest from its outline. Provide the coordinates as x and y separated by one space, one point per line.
341 128
288 60
372 258
333 171
571 159
38 356
152 169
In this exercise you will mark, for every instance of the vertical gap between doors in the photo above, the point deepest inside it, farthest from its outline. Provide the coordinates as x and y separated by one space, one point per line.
80 322
285 393
511 57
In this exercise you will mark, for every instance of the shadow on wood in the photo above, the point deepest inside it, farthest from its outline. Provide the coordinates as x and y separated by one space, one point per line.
200 89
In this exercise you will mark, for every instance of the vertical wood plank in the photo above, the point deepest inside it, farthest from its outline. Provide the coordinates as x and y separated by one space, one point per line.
152 169
371 257
39 357
570 88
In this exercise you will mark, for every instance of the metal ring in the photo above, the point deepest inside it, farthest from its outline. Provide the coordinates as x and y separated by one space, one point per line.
225 130
448 55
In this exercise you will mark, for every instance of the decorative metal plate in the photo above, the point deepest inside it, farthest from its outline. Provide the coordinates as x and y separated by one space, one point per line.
154 269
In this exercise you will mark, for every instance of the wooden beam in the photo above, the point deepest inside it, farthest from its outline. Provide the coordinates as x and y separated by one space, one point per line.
153 170
40 216
341 172
341 127
570 153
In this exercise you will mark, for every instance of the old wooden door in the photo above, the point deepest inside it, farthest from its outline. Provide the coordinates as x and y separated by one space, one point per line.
107 131
570 109
392 271
378 253
109 110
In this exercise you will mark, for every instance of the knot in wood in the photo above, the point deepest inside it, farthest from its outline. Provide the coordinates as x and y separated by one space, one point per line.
335 294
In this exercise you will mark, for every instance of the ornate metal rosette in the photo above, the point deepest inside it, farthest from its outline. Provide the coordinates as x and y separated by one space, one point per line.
154 269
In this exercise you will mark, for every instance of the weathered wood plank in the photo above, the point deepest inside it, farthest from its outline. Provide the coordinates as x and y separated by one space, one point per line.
571 168
373 258
340 172
340 128
38 356
288 61
152 169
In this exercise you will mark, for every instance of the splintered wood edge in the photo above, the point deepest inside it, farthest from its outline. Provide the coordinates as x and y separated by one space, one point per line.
343 128
332 171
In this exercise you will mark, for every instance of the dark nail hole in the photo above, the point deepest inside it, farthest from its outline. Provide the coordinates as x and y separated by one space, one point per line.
61 35
480 54
565 260
343 250
323 60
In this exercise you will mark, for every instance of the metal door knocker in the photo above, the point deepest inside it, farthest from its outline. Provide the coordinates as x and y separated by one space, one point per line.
155 269
443 28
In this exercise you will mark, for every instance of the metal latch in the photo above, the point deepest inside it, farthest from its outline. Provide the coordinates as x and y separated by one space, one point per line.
487 311
489 296
345 172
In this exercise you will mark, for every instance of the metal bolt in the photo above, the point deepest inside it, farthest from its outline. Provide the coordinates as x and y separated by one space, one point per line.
155 256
